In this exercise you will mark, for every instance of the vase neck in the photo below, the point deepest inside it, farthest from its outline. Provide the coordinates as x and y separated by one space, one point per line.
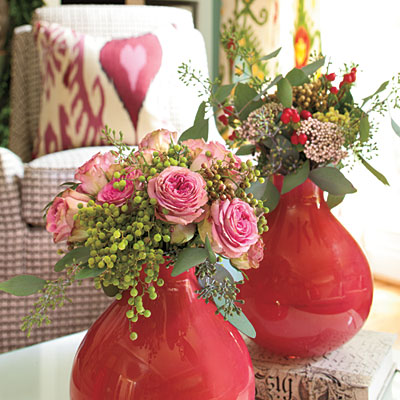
306 193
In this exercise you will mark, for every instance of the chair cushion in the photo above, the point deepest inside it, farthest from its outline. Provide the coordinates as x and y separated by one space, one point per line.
43 177
131 84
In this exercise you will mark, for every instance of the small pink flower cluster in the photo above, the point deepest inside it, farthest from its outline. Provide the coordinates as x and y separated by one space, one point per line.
179 194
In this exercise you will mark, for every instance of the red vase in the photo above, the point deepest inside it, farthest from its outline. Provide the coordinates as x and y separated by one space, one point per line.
313 290
184 352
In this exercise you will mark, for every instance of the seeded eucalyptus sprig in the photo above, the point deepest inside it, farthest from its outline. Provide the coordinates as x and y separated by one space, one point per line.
52 296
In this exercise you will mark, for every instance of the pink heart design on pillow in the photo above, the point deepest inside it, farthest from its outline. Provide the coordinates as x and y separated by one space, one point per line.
132 64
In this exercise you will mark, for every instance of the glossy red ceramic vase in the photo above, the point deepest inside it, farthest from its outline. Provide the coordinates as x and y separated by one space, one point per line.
184 352
313 290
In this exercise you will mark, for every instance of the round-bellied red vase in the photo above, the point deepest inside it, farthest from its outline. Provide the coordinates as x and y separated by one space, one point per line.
183 351
313 290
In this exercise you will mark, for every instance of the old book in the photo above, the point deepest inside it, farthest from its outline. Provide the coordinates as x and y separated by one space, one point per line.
359 370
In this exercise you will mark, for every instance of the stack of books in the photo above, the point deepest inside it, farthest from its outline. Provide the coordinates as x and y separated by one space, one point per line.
362 369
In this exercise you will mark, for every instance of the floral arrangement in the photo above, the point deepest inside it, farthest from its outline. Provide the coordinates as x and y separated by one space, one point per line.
135 211
305 124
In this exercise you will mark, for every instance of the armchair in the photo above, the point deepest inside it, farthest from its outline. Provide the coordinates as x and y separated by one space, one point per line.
27 185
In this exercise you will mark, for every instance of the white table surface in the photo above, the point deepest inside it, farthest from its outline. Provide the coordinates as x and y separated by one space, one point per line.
42 371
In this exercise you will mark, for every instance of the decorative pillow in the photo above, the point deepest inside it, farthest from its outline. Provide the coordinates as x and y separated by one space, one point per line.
131 84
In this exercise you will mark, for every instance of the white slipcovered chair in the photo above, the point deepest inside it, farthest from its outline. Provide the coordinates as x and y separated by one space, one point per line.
27 185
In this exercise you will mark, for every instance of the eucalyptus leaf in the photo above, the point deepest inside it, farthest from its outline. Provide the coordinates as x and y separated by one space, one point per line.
199 130
395 127
79 255
314 66
364 128
223 92
246 150
331 180
267 192
211 255
22 285
381 88
240 321
270 55
188 258
245 101
201 112
290 181
374 172
284 93
297 77
334 200
87 272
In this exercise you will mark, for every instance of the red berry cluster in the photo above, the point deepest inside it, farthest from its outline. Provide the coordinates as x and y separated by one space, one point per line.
349 78
290 115
228 111
302 138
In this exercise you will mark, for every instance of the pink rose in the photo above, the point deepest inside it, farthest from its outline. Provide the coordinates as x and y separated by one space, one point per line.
217 151
92 174
252 258
60 217
180 194
144 156
158 140
195 146
119 197
231 226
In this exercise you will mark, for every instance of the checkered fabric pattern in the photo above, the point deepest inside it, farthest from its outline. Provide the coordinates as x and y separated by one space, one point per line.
25 246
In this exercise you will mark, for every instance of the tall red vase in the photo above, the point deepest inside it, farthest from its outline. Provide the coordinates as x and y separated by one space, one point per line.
184 352
313 290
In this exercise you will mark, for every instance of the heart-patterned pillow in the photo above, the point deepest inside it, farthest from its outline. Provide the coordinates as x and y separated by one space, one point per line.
89 82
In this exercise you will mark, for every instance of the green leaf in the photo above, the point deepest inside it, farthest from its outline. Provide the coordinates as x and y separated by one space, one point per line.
380 89
292 180
211 255
374 172
240 322
267 192
314 66
284 92
332 181
223 92
297 77
199 130
270 55
188 258
87 272
244 100
22 285
334 200
395 127
364 128
246 149
80 255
